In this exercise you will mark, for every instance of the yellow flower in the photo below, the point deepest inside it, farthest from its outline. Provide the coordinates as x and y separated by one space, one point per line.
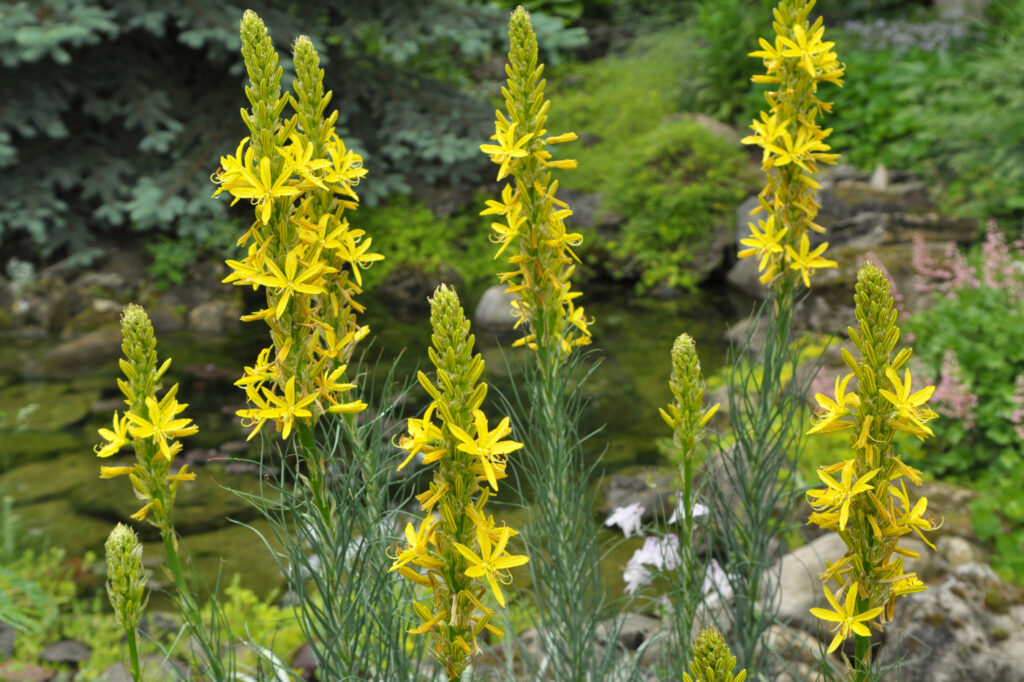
487 445
912 519
287 409
846 622
261 189
508 147
416 550
116 438
806 260
291 281
764 242
908 405
493 562
830 412
161 424
840 494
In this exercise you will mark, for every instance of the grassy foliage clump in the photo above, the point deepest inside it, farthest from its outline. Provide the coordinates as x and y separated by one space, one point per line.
673 182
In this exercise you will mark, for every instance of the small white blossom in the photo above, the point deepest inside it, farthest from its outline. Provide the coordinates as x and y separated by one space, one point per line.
679 513
627 518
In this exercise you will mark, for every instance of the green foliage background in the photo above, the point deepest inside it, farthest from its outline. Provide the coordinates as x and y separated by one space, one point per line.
115 114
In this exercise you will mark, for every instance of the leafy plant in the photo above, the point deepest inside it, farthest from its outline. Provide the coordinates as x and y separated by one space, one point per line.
672 181
983 327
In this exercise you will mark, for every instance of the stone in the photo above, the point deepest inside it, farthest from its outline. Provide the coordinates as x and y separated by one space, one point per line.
304 660
631 630
799 587
955 550
7 637
201 505
56 522
879 178
104 280
66 651
214 317
652 488
22 447
38 481
494 311
219 554
715 127
45 407
19 671
407 287
969 627
154 668
84 354
793 654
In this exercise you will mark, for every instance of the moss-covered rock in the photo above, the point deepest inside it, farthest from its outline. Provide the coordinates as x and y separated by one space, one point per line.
200 506
38 481
56 522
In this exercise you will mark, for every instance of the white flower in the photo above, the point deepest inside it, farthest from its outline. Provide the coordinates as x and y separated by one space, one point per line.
717 585
627 518
658 553
635 576
679 513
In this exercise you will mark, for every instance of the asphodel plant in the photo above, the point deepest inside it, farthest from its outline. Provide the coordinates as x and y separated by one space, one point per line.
300 249
532 229
796 63
865 499
457 551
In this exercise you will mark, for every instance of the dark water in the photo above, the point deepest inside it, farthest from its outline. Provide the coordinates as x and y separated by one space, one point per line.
48 421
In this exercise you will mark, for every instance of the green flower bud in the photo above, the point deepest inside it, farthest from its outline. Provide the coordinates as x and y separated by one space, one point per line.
712 659
126 578
264 89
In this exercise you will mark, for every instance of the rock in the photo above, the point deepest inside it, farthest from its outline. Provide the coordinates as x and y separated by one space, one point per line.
57 522
494 311
970 627
214 317
879 179
154 668
304 660
715 127
956 551
28 446
19 671
165 318
39 481
631 630
652 488
201 505
743 335
248 557
962 9
66 651
792 654
103 281
7 636
799 587
44 407
407 287
84 354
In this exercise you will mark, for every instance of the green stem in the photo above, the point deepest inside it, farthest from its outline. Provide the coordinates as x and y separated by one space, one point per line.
167 532
133 654
862 655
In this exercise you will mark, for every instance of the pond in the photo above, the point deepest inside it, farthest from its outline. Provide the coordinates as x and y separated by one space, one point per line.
49 416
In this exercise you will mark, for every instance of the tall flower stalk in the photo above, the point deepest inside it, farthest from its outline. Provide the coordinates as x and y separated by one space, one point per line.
458 546
687 417
761 404
329 507
152 426
865 498
530 229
